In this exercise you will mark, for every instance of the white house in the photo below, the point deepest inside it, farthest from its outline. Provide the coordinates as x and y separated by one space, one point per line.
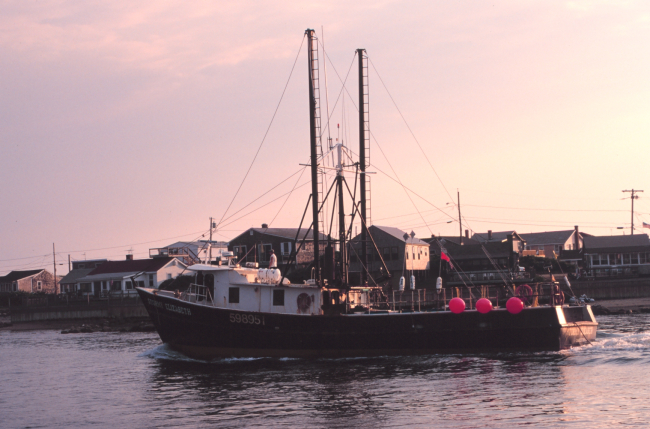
116 276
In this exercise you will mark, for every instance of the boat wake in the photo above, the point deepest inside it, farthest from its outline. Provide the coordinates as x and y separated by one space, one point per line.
614 348
166 353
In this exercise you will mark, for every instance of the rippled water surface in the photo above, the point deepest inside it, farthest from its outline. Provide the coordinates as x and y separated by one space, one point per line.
132 380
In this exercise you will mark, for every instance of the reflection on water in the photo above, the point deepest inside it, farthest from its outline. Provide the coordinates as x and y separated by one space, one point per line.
365 391
111 379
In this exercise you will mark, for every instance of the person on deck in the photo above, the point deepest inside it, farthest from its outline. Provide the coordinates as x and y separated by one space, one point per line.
273 260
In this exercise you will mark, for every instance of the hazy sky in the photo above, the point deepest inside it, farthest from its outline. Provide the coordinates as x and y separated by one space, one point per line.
126 125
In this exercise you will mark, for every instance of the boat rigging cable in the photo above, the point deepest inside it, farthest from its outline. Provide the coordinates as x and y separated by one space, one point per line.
397 179
262 195
436 174
432 168
265 134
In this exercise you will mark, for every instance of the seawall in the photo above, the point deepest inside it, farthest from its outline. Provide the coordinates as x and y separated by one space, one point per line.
100 309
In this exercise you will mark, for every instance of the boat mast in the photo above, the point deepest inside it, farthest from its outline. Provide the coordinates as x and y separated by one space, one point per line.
342 245
311 47
364 141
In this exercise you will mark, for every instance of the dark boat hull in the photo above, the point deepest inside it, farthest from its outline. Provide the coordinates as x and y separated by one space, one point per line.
206 332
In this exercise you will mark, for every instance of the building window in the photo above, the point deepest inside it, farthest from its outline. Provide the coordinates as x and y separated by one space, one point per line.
394 253
595 260
626 259
39 286
386 252
265 252
169 276
278 297
240 252
81 266
233 295
128 285
151 282
116 285
285 248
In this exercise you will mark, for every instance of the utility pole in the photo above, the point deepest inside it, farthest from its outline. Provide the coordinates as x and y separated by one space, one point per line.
56 287
633 197
460 222
210 245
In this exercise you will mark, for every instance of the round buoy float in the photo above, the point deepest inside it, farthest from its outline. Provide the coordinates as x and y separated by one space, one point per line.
457 305
483 305
515 305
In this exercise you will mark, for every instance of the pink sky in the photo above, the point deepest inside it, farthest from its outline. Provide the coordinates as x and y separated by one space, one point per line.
127 125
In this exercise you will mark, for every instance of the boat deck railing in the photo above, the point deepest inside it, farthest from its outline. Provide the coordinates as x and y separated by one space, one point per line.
533 295
197 294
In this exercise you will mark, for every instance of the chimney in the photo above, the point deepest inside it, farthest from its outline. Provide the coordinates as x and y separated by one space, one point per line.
467 233
577 239
129 257
265 225
489 235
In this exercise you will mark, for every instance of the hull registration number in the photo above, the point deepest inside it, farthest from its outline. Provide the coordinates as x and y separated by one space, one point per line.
246 318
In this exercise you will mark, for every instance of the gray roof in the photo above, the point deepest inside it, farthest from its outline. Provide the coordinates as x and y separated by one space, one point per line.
289 233
74 275
549 237
496 236
108 276
19 275
397 233
593 242
196 245
451 239
475 251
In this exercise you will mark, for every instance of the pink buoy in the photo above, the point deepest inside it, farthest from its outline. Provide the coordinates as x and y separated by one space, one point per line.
457 305
483 305
515 305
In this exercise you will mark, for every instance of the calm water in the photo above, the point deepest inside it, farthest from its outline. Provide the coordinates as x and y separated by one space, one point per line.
131 380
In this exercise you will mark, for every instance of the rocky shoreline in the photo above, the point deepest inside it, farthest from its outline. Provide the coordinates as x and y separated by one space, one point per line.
599 310
107 325
81 326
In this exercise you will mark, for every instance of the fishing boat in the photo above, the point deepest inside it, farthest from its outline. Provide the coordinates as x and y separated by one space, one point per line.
235 310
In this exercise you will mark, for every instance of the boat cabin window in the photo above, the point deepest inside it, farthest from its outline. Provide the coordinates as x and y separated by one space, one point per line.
336 299
199 278
209 283
233 295
278 297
